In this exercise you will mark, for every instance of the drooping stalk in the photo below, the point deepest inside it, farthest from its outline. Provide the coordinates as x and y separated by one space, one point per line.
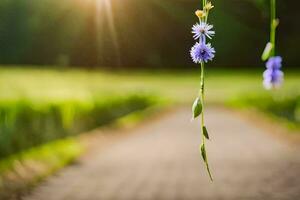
202 93
202 96
273 26
201 53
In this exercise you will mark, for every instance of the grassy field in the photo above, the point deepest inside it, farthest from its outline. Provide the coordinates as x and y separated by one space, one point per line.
230 87
42 85
236 88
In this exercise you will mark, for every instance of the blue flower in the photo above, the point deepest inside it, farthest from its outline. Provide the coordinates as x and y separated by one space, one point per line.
202 29
273 76
202 52
274 62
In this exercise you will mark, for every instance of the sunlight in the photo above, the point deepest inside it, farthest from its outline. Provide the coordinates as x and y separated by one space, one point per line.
104 7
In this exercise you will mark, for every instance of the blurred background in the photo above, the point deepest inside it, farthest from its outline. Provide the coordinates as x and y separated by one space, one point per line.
70 66
135 34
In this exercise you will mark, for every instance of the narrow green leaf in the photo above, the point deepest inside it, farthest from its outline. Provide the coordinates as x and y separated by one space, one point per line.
205 132
208 171
203 152
197 108
267 51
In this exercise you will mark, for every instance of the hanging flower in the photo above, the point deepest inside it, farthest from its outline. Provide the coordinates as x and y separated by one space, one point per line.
202 29
202 52
273 76
274 62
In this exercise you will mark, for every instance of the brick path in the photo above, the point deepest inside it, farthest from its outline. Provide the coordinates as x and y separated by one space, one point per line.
161 161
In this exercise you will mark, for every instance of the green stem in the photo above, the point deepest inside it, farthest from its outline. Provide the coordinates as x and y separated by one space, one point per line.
201 95
273 25
203 4
202 99
202 117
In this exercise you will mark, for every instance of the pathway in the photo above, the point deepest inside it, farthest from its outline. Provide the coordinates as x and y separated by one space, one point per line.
161 161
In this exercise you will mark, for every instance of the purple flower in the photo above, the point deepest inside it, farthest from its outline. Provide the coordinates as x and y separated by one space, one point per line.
202 29
202 52
274 62
273 76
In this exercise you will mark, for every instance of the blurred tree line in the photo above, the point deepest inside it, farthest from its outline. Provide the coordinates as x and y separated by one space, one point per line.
139 33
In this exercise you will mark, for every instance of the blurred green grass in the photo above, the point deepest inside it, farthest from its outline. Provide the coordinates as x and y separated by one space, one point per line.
33 98
25 124
282 109
52 85
21 171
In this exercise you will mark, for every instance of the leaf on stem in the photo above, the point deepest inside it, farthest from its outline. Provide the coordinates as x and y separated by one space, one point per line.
205 132
203 152
208 171
267 52
197 108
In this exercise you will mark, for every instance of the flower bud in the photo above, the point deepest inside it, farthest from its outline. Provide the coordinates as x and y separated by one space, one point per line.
200 13
275 23
208 6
